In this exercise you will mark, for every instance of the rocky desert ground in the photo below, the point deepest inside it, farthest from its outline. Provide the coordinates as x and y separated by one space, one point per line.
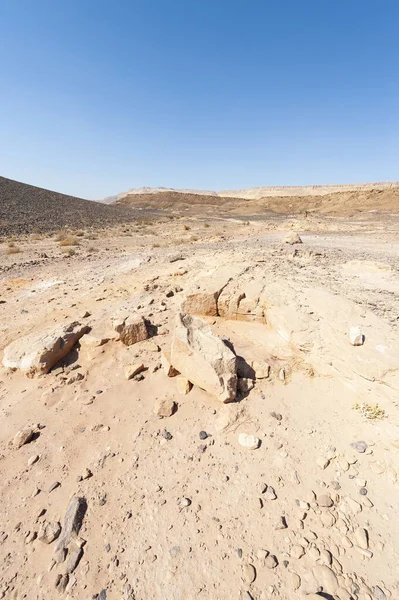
202 404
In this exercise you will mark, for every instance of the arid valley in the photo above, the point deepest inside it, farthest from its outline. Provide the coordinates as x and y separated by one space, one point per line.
199 397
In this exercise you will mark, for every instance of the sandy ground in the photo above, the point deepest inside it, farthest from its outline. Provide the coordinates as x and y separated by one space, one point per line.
188 517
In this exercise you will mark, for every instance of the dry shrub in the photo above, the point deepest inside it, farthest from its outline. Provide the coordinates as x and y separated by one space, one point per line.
68 240
187 227
206 225
156 245
80 233
92 249
13 249
194 238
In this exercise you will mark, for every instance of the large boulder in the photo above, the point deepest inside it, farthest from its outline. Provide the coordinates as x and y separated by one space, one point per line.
37 353
132 328
203 358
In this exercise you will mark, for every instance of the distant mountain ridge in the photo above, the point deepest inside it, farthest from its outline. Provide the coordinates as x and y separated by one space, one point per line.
256 193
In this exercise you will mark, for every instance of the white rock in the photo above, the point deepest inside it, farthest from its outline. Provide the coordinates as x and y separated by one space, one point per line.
362 538
356 337
248 441
292 238
203 358
36 353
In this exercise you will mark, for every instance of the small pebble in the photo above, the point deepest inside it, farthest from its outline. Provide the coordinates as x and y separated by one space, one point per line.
167 435
203 435
361 446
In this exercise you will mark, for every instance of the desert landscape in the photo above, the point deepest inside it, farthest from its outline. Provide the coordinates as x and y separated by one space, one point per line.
199 394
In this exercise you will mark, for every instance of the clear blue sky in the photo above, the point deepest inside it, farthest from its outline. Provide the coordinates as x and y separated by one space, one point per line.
99 96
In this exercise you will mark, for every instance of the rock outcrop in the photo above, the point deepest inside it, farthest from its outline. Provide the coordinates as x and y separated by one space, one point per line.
203 358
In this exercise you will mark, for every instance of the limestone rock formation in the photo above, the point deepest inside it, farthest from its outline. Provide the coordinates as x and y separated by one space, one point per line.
35 354
203 358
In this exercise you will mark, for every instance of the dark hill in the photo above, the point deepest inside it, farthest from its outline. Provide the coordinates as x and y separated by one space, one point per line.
26 208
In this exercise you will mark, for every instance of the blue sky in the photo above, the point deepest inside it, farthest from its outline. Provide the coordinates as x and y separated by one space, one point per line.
99 96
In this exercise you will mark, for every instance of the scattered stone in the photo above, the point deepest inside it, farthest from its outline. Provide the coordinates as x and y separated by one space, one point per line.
313 553
364 552
36 354
295 581
132 370
176 257
248 573
246 596
184 502
131 328
359 446
271 561
292 238
94 341
276 416
363 491
325 578
322 462
294 477
165 408
22 437
281 523
183 385
49 532
269 493
86 474
261 369
345 542
139 377
360 482
344 465
204 358
167 435
72 521
297 551
328 519
379 594
377 467
203 435
53 487
362 538
248 441
356 337
324 501
33 459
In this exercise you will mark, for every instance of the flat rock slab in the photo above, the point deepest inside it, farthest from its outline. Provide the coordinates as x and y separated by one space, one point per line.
37 353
